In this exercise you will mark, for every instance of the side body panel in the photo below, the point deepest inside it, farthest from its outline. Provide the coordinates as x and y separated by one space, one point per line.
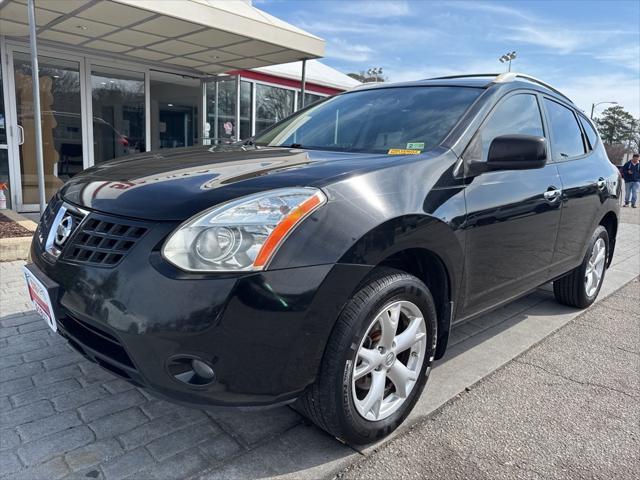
511 226
591 188
511 233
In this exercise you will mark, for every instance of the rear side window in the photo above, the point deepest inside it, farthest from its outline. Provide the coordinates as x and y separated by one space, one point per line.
519 114
566 137
590 131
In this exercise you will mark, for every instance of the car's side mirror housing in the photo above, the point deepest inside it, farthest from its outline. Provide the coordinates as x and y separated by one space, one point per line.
517 152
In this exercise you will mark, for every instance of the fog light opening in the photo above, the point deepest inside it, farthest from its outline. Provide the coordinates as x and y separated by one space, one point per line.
192 371
202 369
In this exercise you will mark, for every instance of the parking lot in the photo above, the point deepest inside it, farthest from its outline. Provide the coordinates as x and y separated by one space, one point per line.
63 417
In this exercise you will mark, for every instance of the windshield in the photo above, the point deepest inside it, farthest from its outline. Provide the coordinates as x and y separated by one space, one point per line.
386 120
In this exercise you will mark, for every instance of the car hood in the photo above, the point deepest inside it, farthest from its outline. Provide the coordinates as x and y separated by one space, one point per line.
178 183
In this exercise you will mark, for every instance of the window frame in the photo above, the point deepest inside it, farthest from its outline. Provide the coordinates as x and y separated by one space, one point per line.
494 108
583 136
586 135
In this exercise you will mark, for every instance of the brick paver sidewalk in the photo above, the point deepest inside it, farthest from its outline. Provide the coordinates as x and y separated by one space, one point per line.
60 414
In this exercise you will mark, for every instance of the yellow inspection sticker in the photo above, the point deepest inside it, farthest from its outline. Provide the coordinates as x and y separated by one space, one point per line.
402 151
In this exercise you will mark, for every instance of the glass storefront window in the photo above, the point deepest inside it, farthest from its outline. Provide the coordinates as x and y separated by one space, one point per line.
222 110
310 98
175 102
61 123
118 113
272 105
245 110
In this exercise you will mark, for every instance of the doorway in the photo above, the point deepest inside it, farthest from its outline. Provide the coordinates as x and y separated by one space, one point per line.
61 122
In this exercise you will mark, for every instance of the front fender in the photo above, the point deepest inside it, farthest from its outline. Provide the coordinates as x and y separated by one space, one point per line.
411 232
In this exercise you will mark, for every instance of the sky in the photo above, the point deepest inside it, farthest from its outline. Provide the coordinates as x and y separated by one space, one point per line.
590 50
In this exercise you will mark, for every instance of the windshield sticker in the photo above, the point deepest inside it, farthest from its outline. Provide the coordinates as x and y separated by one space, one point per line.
415 146
401 151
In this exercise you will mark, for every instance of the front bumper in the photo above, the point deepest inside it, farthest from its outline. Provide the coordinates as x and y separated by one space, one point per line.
264 333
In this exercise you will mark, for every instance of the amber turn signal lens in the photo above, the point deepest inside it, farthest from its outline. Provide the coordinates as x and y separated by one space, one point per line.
285 227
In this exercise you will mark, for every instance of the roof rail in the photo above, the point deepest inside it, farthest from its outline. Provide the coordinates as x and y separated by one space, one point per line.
469 75
544 84
505 78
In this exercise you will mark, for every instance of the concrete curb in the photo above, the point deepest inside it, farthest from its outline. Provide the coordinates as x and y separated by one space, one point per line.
16 248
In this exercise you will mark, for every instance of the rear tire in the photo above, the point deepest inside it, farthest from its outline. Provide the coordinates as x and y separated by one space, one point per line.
333 403
575 289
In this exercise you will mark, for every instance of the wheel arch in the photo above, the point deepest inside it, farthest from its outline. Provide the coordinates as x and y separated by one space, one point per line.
423 246
428 267
610 222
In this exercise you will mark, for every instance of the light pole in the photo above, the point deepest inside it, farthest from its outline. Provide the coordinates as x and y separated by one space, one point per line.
594 105
508 57
375 72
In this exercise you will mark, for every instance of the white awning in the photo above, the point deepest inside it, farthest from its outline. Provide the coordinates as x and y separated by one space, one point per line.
317 73
206 36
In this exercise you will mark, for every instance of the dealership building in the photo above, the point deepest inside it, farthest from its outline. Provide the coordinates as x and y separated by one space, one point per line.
119 77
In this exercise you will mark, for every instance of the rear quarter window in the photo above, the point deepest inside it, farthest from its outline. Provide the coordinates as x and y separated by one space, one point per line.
592 135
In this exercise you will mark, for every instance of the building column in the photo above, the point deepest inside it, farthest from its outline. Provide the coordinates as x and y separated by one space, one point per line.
238 107
303 83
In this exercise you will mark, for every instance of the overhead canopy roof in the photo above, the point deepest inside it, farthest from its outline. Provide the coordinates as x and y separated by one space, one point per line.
317 73
207 36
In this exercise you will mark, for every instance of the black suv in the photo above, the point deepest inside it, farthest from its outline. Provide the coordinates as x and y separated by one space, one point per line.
325 261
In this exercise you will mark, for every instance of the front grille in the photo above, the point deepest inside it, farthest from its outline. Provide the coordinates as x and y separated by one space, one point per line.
47 219
103 240
95 343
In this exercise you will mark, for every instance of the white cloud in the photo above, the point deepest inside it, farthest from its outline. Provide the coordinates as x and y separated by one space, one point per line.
627 56
563 40
342 50
616 87
374 9
560 40
493 9
326 27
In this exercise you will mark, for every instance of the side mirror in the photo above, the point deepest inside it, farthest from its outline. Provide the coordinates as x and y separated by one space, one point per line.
517 152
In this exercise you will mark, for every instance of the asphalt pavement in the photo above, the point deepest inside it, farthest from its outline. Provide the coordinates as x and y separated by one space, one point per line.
568 408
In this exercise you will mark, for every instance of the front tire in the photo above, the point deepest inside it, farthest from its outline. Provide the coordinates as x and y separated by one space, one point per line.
580 287
377 359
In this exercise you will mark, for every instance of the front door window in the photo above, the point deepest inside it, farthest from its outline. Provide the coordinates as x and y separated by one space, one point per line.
61 123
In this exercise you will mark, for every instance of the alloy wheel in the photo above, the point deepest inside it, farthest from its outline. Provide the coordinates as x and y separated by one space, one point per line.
389 360
595 267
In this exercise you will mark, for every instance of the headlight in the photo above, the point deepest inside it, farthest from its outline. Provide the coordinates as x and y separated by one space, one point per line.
242 234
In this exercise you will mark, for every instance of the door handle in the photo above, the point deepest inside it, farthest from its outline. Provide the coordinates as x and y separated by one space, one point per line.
552 194
20 135
601 183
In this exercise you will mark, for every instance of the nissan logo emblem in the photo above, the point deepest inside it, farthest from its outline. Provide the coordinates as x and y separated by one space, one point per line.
65 227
